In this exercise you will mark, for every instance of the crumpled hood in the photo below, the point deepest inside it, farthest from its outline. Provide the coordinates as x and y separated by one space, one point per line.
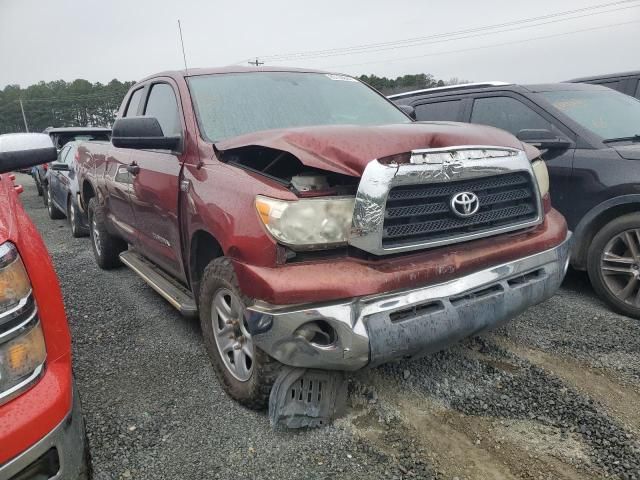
629 152
348 149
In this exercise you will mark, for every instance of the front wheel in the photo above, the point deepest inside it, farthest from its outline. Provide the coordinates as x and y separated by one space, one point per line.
75 222
106 247
245 372
614 264
54 212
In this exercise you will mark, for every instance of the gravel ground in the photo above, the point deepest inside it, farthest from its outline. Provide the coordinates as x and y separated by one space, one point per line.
554 395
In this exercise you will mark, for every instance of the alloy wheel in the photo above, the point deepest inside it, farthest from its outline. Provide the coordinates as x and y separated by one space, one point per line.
49 203
620 266
72 216
95 234
232 338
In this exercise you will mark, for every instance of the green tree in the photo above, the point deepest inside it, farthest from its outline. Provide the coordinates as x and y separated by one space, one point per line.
79 103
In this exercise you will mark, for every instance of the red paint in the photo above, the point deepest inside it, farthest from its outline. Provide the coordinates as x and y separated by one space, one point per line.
32 415
220 201
348 149
348 277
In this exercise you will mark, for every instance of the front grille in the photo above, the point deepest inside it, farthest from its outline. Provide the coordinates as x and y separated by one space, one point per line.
422 213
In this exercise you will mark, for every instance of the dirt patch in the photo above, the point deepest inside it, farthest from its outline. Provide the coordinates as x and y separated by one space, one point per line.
620 401
462 446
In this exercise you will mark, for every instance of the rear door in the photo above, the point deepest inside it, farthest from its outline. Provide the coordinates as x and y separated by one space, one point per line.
118 180
155 192
513 112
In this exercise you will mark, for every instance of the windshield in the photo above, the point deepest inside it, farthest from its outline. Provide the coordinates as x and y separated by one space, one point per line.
607 113
232 104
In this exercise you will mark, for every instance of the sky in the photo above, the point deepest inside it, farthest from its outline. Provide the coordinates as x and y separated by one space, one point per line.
130 39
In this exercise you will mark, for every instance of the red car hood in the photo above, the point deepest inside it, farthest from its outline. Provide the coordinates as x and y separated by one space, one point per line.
8 201
349 148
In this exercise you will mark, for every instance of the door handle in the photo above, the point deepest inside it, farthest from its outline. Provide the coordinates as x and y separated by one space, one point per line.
133 168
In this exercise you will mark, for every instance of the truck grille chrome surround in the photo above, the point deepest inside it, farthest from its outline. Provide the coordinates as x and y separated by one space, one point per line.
403 207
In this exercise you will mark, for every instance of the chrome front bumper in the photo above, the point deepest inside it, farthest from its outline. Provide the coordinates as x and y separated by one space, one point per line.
411 323
68 438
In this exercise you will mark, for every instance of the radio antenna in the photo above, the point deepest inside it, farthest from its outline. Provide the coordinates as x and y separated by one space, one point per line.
184 56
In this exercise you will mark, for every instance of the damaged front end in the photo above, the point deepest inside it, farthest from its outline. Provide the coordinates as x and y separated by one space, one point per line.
426 198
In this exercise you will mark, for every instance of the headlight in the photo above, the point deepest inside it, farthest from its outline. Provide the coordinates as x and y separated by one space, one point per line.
22 347
542 176
309 223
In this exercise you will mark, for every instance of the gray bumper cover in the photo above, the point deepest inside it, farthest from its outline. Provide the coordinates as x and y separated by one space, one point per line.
376 329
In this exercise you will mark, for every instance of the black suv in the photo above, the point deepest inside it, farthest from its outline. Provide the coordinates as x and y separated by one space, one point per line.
589 137
628 82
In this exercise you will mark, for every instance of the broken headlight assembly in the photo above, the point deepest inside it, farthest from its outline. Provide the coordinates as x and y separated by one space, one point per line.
308 223
22 346
542 176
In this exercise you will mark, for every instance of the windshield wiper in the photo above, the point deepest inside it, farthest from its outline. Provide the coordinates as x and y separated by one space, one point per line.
632 138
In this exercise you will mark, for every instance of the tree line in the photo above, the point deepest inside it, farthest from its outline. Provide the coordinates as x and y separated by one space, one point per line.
81 103
406 83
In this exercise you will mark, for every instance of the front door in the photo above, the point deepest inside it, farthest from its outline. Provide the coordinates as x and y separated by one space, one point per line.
156 189
57 178
512 113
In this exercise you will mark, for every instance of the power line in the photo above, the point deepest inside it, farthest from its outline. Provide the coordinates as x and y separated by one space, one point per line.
463 37
483 46
416 41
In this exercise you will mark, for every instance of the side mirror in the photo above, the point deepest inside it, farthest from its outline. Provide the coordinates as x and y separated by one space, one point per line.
408 110
24 150
142 133
61 167
543 139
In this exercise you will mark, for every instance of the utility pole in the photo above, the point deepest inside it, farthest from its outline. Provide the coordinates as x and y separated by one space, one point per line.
256 62
24 117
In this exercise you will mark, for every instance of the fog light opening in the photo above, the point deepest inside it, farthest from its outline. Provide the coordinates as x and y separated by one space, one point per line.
319 333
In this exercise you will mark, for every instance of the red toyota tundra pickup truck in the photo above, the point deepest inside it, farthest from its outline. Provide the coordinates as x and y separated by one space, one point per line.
41 426
313 226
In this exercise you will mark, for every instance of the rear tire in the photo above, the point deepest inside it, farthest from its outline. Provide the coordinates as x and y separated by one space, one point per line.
73 215
54 212
613 264
106 247
251 385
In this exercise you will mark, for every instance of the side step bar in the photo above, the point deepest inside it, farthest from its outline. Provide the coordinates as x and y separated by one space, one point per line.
170 289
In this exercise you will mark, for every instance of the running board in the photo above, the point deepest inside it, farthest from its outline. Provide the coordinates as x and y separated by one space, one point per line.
170 289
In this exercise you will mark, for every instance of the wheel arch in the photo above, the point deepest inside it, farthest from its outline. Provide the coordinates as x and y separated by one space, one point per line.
87 192
203 248
597 218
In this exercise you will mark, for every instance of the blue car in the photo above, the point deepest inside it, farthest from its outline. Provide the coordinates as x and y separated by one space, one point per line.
60 137
61 192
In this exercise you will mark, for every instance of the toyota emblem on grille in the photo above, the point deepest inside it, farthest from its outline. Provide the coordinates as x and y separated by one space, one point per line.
465 204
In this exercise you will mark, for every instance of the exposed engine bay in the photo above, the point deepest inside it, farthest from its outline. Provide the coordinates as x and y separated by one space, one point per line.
285 168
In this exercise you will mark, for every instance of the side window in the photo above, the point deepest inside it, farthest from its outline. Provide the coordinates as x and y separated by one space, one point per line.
62 154
134 101
507 113
162 104
70 154
444 111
